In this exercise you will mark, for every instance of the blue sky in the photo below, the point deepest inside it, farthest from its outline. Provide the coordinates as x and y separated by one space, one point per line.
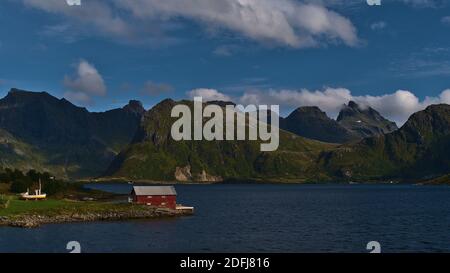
394 57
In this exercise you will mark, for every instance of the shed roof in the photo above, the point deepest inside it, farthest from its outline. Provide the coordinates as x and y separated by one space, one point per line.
154 190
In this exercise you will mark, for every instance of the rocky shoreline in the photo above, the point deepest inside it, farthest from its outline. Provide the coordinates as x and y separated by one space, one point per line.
37 220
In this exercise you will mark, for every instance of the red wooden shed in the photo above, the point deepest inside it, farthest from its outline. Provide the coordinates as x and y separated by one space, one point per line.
157 196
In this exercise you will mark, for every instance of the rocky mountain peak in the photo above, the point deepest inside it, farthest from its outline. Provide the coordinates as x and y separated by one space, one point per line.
135 106
311 122
312 111
353 105
364 121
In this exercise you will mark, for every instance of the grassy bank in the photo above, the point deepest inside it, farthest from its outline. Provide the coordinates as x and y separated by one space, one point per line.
18 207
20 213
66 202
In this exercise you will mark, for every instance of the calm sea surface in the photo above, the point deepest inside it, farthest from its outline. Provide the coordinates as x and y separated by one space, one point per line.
265 218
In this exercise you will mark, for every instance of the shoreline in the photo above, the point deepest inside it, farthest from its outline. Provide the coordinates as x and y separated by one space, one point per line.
255 181
439 179
35 220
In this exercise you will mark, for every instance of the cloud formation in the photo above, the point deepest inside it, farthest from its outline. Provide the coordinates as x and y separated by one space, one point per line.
86 82
97 14
362 3
285 22
378 25
225 50
446 20
423 3
288 23
397 106
208 94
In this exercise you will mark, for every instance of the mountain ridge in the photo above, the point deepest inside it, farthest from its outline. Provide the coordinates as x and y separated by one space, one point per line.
70 141
420 149
352 124
364 121
45 133
210 161
313 123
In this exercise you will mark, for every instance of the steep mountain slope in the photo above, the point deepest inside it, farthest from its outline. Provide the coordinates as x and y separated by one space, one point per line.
17 154
69 140
42 132
311 122
364 121
420 149
352 124
154 155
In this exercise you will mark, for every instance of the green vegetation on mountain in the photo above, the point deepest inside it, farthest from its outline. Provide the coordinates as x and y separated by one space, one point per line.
40 132
154 155
420 149
15 153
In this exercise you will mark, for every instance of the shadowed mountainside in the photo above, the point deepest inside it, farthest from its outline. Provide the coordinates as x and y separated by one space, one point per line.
39 131
353 123
364 121
311 122
51 134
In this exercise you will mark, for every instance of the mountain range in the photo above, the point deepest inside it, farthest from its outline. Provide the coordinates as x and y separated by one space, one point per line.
42 132
39 131
154 155
354 122
419 149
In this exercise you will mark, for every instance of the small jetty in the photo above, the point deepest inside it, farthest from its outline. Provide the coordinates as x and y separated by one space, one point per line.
185 209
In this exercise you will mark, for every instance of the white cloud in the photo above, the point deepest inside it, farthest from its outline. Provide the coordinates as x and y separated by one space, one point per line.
422 3
362 3
282 22
208 94
397 106
446 20
86 82
329 100
285 22
225 50
378 25
445 96
97 14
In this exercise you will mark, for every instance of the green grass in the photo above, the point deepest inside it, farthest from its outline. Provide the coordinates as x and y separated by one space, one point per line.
17 206
54 207
4 202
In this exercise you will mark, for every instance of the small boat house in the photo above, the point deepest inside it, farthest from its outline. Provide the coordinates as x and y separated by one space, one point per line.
157 196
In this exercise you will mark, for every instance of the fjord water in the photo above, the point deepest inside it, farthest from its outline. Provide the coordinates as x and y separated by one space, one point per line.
265 218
